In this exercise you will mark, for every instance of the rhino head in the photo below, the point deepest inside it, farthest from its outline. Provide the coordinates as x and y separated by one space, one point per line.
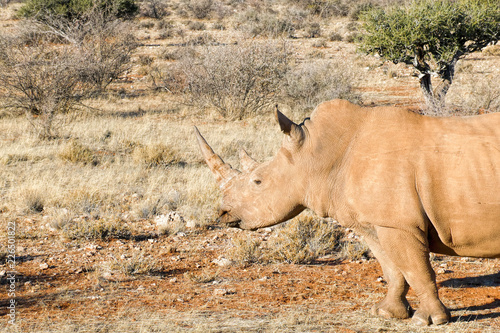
261 195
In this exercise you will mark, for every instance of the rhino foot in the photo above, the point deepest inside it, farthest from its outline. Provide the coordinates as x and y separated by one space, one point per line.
388 309
425 318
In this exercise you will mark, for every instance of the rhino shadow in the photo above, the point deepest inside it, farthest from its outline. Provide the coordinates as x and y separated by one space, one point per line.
473 317
490 280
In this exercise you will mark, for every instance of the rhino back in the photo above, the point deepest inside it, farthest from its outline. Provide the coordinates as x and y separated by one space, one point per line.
458 181
441 175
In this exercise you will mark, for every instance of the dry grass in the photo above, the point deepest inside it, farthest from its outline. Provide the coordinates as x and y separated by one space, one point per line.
155 155
292 319
95 230
75 152
303 240
137 264
205 276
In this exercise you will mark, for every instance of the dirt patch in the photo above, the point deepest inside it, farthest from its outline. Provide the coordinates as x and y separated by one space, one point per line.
65 286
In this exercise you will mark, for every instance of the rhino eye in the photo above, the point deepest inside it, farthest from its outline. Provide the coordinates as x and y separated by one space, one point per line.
257 181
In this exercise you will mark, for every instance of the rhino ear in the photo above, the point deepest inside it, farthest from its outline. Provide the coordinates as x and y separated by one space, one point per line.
294 131
223 172
247 162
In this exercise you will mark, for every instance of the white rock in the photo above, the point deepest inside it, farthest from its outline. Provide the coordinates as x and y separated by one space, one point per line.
222 262
190 224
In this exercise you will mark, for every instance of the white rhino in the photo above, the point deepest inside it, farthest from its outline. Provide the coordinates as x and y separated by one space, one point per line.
409 184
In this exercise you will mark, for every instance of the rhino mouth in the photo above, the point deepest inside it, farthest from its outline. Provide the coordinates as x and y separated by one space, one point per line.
225 217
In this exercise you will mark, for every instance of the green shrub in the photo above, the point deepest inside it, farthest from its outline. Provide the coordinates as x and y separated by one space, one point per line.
76 9
431 35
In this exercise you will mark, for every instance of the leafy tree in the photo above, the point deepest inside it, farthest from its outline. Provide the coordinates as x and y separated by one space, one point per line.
432 35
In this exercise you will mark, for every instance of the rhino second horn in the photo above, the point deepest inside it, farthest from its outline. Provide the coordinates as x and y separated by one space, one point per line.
247 162
223 172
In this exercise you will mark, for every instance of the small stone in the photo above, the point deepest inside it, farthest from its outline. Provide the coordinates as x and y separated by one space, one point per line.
190 224
222 262
44 266
173 280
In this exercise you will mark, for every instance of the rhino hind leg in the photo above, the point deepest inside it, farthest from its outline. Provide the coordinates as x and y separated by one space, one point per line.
410 254
394 305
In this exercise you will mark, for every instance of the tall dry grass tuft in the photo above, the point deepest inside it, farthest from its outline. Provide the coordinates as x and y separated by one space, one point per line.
155 155
76 152
245 250
137 264
303 240
33 200
96 230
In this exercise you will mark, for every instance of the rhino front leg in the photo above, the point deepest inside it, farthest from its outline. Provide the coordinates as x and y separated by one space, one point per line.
410 253
394 305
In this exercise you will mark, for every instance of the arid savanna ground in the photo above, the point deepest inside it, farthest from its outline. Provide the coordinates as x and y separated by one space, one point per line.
114 215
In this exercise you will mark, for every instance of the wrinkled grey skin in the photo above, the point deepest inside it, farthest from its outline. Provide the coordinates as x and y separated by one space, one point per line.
407 183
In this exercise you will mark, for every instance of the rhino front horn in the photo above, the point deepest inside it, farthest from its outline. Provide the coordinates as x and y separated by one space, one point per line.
223 172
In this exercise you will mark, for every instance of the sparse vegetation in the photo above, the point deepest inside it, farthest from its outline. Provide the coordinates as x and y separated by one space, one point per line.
115 213
310 83
33 200
46 82
45 10
237 80
245 250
